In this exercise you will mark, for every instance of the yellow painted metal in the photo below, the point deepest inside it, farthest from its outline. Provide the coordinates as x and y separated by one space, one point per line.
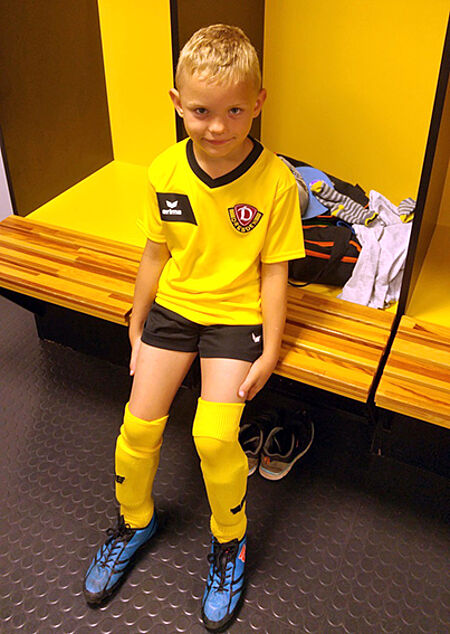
430 300
137 50
105 204
351 86
444 209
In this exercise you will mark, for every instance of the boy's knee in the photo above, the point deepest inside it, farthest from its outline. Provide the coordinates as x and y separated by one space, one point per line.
209 449
139 434
216 428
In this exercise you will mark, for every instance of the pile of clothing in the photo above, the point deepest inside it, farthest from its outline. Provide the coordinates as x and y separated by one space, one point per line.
382 229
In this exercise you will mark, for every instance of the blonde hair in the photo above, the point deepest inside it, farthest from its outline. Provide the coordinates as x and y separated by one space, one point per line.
220 54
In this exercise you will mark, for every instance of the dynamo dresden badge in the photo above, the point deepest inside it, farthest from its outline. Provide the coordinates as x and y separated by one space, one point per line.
244 217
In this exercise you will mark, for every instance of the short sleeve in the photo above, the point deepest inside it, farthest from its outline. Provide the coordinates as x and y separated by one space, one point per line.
284 239
149 219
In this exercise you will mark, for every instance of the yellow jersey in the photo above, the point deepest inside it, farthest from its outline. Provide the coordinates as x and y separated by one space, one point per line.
219 230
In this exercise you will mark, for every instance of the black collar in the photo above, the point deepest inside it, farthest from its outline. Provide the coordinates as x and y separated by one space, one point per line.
226 178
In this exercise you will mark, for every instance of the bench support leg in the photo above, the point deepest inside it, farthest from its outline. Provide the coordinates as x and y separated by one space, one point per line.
31 304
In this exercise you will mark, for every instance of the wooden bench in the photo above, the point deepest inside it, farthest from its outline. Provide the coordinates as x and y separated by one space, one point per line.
416 378
328 343
68 268
333 344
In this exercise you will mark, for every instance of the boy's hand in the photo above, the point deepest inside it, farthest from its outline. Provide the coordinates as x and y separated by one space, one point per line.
257 377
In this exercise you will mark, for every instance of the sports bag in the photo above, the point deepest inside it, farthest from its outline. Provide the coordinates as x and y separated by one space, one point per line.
331 253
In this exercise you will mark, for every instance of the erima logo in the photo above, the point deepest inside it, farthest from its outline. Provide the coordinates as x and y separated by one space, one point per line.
175 207
119 479
171 209
256 338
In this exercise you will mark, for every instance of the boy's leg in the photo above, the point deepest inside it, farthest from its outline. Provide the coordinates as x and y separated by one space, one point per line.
158 375
225 469
223 462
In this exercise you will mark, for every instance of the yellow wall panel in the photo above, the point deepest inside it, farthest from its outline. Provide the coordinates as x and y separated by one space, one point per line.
137 51
107 204
430 300
444 209
351 86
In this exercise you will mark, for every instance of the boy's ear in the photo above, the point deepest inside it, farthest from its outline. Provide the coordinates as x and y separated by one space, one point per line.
175 96
259 102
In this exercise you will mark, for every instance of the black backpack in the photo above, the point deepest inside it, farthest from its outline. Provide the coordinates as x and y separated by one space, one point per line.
331 251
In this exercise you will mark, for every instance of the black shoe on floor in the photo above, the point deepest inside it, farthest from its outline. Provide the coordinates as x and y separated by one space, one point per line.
285 445
251 438
252 434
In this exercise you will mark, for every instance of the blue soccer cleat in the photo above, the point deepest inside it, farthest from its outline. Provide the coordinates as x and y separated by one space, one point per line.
225 583
114 557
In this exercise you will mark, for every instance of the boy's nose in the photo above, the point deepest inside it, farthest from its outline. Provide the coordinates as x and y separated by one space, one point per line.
217 126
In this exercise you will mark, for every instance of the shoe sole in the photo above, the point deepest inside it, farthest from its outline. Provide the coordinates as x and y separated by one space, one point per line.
95 601
223 626
269 475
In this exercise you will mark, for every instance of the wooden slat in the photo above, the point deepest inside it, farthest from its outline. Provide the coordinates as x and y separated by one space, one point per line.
68 268
416 378
346 328
31 262
300 338
395 395
38 228
73 252
418 372
304 298
335 375
65 293
332 344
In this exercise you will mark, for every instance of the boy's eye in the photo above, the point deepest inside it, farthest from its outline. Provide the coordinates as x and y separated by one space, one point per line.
235 110
200 111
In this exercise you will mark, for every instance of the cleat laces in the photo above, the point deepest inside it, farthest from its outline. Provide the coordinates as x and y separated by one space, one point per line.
221 556
117 536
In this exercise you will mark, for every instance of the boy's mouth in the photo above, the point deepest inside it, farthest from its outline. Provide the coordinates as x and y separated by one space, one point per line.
217 142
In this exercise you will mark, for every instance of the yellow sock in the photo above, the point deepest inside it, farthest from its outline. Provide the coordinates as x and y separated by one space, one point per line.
224 466
137 459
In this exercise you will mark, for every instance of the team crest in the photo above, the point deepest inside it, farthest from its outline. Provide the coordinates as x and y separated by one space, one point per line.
244 217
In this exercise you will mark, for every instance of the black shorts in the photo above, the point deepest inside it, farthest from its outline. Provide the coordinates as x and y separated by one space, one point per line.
166 329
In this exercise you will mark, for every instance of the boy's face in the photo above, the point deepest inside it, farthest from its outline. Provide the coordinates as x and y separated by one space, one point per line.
218 117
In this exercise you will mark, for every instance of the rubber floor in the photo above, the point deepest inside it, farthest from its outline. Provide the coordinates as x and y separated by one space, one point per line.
331 548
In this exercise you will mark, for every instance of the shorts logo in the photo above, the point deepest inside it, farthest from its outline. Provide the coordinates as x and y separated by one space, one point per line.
244 217
175 208
256 338
242 553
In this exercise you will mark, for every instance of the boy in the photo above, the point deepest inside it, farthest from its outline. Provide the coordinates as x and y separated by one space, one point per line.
222 221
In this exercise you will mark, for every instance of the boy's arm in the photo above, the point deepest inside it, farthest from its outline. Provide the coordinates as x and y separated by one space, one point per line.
273 301
153 260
